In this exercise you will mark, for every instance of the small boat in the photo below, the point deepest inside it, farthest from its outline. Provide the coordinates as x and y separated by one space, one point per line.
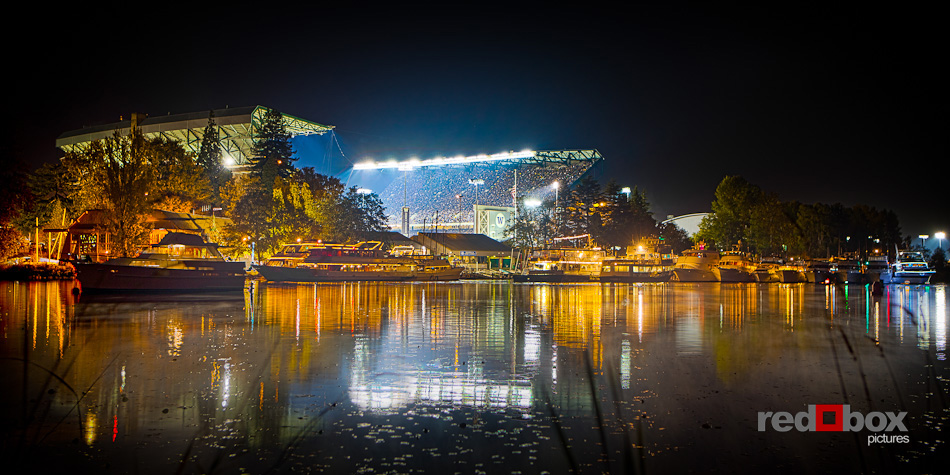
696 265
180 262
563 265
735 266
909 268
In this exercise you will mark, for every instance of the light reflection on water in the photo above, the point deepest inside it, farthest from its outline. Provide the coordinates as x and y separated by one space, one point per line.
481 375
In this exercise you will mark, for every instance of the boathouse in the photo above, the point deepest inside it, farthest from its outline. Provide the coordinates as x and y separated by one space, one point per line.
86 238
472 251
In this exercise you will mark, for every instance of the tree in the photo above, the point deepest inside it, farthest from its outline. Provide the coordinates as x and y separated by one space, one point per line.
624 220
210 160
15 200
533 226
770 230
580 214
272 154
675 237
938 260
180 184
731 214
358 214
127 181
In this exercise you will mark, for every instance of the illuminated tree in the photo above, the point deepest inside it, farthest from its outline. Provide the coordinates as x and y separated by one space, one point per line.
180 184
210 161
357 215
127 182
272 154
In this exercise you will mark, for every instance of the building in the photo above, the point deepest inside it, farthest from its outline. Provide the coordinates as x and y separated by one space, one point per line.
85 238
237 129
472 251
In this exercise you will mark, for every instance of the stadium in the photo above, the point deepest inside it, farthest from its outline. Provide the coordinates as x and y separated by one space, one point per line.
440 194
446 193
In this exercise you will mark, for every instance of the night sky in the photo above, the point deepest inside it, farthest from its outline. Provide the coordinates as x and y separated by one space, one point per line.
815 104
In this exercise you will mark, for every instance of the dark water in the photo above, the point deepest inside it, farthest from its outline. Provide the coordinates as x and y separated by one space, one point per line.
470 377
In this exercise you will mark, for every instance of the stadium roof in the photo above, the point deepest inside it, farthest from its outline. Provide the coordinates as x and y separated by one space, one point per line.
512 158
237 128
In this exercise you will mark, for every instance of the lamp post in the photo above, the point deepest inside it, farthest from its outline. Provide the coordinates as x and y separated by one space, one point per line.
940 236
923 239
459 215
476 182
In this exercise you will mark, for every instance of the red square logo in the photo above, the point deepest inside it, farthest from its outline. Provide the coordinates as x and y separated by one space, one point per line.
827 410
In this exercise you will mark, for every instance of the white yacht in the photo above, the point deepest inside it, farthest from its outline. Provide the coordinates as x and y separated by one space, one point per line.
909 268
696 265
735 266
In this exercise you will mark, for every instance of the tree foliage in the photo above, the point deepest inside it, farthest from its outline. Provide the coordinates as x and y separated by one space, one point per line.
210 160
272 154
762 223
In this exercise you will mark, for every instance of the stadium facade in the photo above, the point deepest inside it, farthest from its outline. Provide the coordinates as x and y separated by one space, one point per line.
237 128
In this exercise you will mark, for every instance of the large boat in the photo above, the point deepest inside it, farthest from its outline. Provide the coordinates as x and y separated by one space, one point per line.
364 261
735 266
696 265
876 265
178 263
765 269
848 271
820 271
909 268
790 271
435 269
645 262
563 265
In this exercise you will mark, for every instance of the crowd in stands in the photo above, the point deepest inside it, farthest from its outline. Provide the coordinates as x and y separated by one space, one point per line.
447 194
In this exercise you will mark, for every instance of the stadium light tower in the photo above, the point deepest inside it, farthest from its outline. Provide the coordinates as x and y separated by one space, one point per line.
476 182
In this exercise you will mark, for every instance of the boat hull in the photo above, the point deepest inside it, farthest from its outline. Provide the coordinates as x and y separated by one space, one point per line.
789 276
730 275
906 278
552 276
693 275
636 277
441 275
222 277
305 274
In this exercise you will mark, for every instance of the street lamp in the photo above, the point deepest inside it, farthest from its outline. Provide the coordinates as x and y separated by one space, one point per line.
459 216
626 191
923 240
940 236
